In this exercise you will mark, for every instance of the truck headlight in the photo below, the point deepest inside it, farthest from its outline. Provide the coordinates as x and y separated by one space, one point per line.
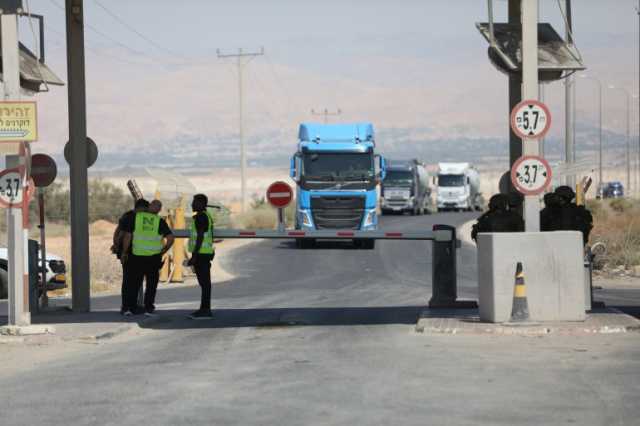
371 218
305 218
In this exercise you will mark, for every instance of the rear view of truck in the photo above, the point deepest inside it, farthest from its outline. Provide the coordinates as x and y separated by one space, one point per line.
405 188
336 172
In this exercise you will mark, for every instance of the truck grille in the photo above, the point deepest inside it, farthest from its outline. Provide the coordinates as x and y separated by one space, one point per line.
337 212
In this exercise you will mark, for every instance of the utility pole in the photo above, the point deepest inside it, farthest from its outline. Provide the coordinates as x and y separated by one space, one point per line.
515 90
569 89
16 233
78 180
242 58
326 113
530 91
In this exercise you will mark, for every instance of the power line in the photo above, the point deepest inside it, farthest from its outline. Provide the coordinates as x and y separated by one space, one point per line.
134 30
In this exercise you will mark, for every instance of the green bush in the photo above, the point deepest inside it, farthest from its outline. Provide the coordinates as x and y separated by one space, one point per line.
106 202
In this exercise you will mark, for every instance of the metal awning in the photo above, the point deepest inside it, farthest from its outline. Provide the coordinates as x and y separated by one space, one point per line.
555 56
33 72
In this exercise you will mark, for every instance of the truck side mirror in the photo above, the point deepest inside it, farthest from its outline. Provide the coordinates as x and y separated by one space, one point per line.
294 169
381 167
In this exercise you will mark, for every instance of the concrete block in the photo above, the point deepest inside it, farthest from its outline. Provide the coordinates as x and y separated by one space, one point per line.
553 270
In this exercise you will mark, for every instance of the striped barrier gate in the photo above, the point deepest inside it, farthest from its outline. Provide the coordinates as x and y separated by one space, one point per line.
444 253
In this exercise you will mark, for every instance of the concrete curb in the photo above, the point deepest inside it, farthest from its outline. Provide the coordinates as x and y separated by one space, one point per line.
28 330
607 321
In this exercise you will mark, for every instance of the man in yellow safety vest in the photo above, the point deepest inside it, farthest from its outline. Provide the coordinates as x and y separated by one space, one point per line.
202 253
145 234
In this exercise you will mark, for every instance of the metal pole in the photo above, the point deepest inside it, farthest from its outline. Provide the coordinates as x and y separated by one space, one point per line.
18 285
569 105
243 152
81 287
43 250
599 83
243 157
515 90
530 91
281 224
628 141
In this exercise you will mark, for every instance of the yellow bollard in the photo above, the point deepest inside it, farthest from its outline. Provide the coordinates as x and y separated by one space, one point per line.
178 247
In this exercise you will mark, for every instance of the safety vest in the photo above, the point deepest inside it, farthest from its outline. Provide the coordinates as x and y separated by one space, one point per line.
207 240
147 240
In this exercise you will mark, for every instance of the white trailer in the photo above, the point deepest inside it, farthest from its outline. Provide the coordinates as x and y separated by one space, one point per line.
458 187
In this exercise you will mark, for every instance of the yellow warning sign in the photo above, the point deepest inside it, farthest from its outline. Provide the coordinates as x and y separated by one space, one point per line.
18 122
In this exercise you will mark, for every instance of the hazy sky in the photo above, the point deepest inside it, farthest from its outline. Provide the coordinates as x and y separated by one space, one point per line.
402 63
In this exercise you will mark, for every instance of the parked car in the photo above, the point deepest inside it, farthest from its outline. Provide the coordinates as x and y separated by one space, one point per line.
613 189
56 272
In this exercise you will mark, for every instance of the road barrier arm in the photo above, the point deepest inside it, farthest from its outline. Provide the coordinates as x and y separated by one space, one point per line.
440 235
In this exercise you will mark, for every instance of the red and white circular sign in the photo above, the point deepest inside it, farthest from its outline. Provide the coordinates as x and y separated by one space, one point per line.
279 194
530 119
12 190
531 175
43 170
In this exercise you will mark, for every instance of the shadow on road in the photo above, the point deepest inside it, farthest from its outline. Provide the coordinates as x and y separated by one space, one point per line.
233 318
285 317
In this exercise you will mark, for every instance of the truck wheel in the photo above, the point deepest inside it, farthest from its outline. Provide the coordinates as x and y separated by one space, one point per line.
369 244
4 284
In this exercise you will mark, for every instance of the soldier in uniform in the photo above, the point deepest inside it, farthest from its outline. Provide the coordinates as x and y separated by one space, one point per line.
498 218
551 213
572 216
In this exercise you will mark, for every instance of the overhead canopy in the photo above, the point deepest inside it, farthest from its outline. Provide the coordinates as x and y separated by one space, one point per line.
33 72
555 56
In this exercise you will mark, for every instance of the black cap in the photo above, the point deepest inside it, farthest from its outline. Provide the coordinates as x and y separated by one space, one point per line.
566 193
498 202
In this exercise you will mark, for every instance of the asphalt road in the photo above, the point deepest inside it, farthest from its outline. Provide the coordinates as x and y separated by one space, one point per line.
353 359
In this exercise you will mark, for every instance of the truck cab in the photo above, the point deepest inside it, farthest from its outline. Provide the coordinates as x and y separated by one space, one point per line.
458 187
336 172
405 188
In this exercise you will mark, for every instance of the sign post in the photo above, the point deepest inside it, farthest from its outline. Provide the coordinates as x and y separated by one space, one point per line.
43 173
279 195
17 124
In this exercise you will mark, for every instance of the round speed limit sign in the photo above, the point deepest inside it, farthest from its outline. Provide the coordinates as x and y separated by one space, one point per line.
11 190
530 119
531 175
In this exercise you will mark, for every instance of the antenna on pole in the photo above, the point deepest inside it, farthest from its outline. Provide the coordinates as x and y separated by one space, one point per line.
242 59
326 114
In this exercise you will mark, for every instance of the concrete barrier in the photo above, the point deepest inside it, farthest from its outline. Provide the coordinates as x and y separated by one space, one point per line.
553 267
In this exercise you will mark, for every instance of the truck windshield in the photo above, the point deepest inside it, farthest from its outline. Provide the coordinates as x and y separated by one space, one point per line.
342 167
398 178
451 180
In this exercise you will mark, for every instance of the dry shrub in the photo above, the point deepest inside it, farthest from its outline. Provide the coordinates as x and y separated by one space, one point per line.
264 217
617 225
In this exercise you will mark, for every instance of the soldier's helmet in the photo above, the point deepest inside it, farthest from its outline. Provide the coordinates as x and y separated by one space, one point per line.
566 193
498 202
515 200
551 199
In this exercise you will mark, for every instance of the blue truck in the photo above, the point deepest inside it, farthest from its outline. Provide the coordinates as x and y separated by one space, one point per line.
336 172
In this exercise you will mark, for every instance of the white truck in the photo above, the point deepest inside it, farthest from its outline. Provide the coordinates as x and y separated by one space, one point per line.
458 187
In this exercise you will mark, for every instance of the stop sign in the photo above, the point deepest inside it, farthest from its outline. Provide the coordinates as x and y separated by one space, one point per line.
43 170
279 194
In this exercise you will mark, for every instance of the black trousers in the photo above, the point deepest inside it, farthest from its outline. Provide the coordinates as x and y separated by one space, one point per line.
139 269
203 274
